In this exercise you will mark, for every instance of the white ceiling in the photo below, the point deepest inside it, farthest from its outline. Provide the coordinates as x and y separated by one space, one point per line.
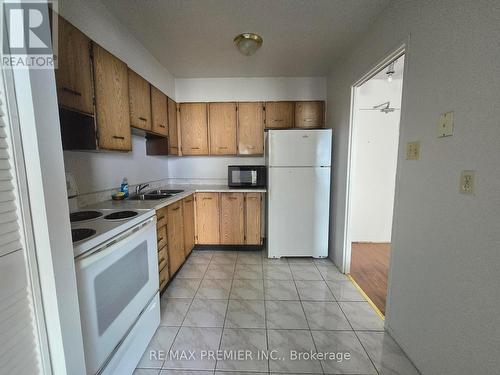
194 38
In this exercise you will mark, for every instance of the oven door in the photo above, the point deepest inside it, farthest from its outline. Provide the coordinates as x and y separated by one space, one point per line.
115 283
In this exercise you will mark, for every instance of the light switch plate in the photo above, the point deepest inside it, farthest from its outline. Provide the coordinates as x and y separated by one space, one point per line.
446 124
468 182
413 150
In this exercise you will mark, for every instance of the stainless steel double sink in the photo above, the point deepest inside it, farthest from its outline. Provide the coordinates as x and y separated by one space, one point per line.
155 194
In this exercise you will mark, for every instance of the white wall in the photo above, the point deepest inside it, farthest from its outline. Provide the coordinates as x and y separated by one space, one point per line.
214 169
101 171
374 160
445 260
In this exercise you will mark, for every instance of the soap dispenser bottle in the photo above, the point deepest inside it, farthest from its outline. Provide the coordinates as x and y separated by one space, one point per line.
124 186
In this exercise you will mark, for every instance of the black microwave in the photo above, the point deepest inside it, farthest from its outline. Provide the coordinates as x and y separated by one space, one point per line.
246 176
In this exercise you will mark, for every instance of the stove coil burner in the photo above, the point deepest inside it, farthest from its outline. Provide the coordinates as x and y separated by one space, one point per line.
120 215
81 234
75 217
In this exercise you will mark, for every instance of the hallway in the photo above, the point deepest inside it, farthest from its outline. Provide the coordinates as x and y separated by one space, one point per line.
245 301
370 270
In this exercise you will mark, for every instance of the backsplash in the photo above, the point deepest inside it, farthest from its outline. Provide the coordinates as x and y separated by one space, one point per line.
87 199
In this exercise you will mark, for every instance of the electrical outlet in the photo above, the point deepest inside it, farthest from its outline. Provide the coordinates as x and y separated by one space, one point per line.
413 150
467 182
445 126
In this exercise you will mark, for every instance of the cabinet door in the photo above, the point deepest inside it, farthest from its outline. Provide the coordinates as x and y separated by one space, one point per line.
111 100
207 218
250 128
253 217
188 211
309 115
194 128
159 118
279 115
140 101
232 220
222 124
173 137
175 235
74 72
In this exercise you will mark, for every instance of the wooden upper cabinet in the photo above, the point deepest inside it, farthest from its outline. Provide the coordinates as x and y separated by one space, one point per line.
232 219
207 218
111 101
309 115
159 117
222 124
253 218
250 128
175 235
74 72
173 130
194 128
279 115
188 212
140 101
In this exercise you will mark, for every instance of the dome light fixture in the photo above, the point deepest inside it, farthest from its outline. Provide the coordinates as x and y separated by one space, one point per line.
248 43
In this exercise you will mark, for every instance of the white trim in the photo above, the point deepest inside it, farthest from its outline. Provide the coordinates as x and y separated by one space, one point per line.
346 251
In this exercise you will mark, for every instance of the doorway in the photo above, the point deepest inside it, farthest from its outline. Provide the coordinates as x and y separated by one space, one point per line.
375 120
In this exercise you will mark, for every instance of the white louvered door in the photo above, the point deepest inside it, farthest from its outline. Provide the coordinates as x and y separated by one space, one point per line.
20 331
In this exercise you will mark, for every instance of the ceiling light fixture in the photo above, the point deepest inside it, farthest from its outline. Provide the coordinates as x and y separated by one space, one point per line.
248 43
390 71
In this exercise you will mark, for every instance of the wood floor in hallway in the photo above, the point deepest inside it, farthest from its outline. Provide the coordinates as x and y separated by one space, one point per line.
370 269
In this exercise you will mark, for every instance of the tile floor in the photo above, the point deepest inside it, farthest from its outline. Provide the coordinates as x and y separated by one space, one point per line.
244 301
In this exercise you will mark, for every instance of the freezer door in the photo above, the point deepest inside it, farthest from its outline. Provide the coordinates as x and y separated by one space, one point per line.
299 148
298 211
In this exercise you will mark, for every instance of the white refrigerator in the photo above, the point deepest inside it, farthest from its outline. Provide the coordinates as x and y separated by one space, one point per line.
298 205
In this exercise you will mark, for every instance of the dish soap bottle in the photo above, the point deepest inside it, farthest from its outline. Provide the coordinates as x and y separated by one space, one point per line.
124 186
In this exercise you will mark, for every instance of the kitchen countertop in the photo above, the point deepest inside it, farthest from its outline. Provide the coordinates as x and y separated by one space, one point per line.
157 204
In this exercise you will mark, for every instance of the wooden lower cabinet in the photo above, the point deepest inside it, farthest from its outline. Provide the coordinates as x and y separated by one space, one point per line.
175 236
189 233
228 218
207 218
253 218
232 219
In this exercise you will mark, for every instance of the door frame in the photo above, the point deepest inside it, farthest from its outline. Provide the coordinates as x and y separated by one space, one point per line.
400 51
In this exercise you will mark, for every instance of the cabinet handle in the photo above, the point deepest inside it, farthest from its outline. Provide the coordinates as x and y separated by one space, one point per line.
251 147
161 260
207 199
161 125
176 208
232 198
251 198
142 119
70 91
194 148
222 148
189 201
118 137
308 119
160 239
278 120
161 218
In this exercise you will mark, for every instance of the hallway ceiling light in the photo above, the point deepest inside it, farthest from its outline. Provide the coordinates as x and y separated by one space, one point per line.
390 71
248 43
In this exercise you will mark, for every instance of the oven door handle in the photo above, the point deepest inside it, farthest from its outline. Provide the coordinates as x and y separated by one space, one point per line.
114 244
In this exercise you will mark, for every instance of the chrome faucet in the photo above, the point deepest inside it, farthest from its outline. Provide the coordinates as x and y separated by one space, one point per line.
140 188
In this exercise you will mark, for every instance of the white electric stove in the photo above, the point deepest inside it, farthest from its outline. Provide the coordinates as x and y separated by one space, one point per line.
116 264
92 228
